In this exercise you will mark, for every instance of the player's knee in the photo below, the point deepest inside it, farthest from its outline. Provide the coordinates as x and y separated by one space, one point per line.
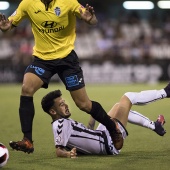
130 96
84 106
27 90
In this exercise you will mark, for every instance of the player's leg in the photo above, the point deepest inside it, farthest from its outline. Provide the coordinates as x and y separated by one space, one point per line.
141 120
37 75
137 118
98 113
121 110
137 98
72 76
93 108
31 83
145 97
81 99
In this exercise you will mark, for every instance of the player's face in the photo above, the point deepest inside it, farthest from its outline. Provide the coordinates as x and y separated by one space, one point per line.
61 108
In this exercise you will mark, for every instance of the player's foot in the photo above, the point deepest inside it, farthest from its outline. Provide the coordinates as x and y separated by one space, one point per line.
24 145
159 125
167 90
117 136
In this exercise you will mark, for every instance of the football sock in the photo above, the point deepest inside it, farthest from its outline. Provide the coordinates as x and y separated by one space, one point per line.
26 113
139 119
167 90
99 114
145 97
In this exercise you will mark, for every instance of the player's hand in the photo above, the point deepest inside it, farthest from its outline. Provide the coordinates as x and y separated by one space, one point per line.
73 153
5 24
88 14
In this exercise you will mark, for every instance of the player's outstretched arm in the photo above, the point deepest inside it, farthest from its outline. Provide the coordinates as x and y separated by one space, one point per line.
5 24
61 152
88 15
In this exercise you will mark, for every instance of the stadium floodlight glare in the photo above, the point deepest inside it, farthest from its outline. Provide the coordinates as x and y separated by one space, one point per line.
143 5
164 4
4 5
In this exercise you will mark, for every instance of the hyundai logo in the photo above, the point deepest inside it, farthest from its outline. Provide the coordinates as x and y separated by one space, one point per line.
49 24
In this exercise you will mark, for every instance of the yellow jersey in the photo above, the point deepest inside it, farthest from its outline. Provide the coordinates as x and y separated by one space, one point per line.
54 29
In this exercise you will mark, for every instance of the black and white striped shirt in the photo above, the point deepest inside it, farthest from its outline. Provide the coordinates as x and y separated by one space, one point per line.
69 133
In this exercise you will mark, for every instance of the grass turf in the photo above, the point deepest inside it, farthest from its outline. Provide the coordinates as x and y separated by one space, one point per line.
143 149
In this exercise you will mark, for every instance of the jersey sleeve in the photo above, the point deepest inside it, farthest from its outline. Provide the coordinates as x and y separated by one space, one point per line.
20 13
62 129
75 6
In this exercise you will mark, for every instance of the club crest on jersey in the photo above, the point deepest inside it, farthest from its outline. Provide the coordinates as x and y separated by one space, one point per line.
57 11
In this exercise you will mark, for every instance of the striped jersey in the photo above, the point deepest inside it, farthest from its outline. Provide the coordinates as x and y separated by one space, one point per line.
69 133
53 29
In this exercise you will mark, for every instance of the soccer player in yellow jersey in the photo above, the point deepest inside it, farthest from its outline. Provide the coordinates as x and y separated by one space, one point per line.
54 25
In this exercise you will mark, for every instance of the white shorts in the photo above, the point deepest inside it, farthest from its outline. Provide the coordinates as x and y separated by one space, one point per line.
124 132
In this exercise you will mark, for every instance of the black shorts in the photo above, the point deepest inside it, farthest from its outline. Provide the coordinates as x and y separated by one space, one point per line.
68 69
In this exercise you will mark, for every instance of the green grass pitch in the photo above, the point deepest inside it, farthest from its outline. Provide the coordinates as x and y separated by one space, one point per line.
143 149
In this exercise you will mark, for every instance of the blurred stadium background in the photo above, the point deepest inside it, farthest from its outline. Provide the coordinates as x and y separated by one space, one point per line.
126 46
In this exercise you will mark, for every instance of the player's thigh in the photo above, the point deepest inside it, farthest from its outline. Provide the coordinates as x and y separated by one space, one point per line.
81 99
31 83
121 110
114 113
70 72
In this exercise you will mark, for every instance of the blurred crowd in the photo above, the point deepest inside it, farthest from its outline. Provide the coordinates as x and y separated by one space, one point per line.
127 39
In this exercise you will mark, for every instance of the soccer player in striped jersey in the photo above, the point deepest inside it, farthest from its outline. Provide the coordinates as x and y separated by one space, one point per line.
53 25
72 137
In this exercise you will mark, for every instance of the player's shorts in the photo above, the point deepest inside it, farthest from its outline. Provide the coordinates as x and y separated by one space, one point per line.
110 146
68 69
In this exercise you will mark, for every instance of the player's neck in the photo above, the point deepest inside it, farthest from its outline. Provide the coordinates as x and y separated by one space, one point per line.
56 117
46 3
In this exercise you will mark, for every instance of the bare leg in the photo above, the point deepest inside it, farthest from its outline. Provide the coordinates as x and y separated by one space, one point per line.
121 110
93 108
81 99
31 84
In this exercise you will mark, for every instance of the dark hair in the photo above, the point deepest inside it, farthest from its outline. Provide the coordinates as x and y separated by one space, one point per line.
48 100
